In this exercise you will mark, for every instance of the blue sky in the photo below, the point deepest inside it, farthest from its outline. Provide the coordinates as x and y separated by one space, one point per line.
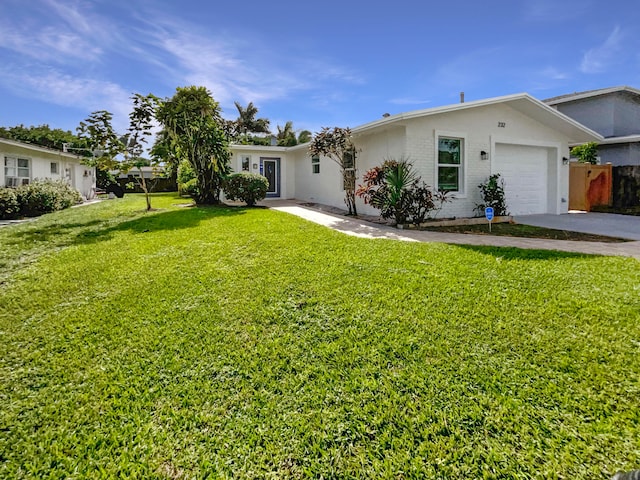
327 63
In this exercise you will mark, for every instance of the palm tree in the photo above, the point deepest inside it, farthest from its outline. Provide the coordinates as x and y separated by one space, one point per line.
286 136
247 121
304 136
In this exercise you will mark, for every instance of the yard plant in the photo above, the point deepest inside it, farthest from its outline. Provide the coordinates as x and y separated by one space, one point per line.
218 342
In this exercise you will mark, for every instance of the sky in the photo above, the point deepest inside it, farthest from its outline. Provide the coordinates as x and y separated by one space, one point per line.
318 64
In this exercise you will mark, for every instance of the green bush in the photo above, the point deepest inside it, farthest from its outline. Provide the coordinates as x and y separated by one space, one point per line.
492 192
397 191
247 187
586 153
9 205
187 180
45 196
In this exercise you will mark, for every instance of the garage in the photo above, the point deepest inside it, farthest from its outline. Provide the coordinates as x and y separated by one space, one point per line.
525 171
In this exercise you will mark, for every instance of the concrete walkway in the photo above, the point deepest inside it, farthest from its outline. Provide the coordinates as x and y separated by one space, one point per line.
363 228
608 224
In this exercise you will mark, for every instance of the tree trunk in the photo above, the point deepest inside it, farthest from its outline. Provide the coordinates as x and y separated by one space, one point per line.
349 178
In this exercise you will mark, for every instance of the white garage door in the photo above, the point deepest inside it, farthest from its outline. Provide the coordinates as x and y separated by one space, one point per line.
524 170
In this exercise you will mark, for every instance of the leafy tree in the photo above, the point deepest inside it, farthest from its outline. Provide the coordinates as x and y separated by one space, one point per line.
337 144
247 121
586 153
140 125
194 130
42 135
101 139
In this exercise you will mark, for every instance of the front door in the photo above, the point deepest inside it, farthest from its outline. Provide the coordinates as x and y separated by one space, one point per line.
270 168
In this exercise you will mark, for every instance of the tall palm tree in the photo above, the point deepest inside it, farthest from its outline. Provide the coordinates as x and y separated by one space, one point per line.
247 121
286 135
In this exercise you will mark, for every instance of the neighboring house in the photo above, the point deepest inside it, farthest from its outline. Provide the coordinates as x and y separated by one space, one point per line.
612 112
23 163
452 148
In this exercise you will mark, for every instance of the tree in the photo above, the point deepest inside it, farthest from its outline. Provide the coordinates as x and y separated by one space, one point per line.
586 153
286 136
140 125
247 121
193 126
103 142
304 136
337 144
42 135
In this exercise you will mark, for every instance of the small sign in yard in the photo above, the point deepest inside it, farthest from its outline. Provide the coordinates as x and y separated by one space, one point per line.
488 212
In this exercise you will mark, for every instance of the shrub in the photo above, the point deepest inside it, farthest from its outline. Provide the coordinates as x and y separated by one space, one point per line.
9 205
398 193
492 192
45 196
586 153
247 187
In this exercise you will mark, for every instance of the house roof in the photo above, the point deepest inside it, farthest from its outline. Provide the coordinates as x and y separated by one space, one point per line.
521 102
625 139
570 97
38 148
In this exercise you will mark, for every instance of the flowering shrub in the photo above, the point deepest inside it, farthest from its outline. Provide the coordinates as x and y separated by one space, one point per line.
37 198
9 206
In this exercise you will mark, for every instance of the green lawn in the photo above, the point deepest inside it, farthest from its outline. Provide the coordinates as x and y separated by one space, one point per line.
238 343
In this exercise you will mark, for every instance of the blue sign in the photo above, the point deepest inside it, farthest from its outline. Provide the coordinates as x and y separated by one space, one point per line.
488 212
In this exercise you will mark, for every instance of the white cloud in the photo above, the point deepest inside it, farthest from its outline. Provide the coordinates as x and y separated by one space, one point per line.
62 89
244 69
52 31
553 73
598 59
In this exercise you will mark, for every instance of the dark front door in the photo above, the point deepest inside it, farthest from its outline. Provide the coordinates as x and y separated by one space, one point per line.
271 170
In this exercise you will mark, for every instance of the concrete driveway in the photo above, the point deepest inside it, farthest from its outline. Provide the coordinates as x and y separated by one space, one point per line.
609 224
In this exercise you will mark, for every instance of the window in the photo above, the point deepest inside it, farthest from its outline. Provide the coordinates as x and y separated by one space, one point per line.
349 159
16 171
450 163
54 168
246 159
315 164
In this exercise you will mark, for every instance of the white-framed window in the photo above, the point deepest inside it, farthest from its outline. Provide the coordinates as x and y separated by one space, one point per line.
450 166
349 164
315 164
16 171
246 161
54 168
349 159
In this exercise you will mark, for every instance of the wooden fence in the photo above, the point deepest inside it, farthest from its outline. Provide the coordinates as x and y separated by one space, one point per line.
589 186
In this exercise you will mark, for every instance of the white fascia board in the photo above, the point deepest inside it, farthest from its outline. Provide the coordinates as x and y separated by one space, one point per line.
615 140
590 94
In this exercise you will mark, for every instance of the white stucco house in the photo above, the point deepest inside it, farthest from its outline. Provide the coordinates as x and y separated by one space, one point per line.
23 163
517 136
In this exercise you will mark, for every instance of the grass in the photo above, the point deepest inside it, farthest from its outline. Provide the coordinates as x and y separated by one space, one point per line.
527 231
239 343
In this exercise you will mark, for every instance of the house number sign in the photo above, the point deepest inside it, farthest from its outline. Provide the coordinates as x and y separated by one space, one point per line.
502 124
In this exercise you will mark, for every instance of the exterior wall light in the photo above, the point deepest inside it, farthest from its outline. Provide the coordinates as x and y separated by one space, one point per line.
565 161
484 155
